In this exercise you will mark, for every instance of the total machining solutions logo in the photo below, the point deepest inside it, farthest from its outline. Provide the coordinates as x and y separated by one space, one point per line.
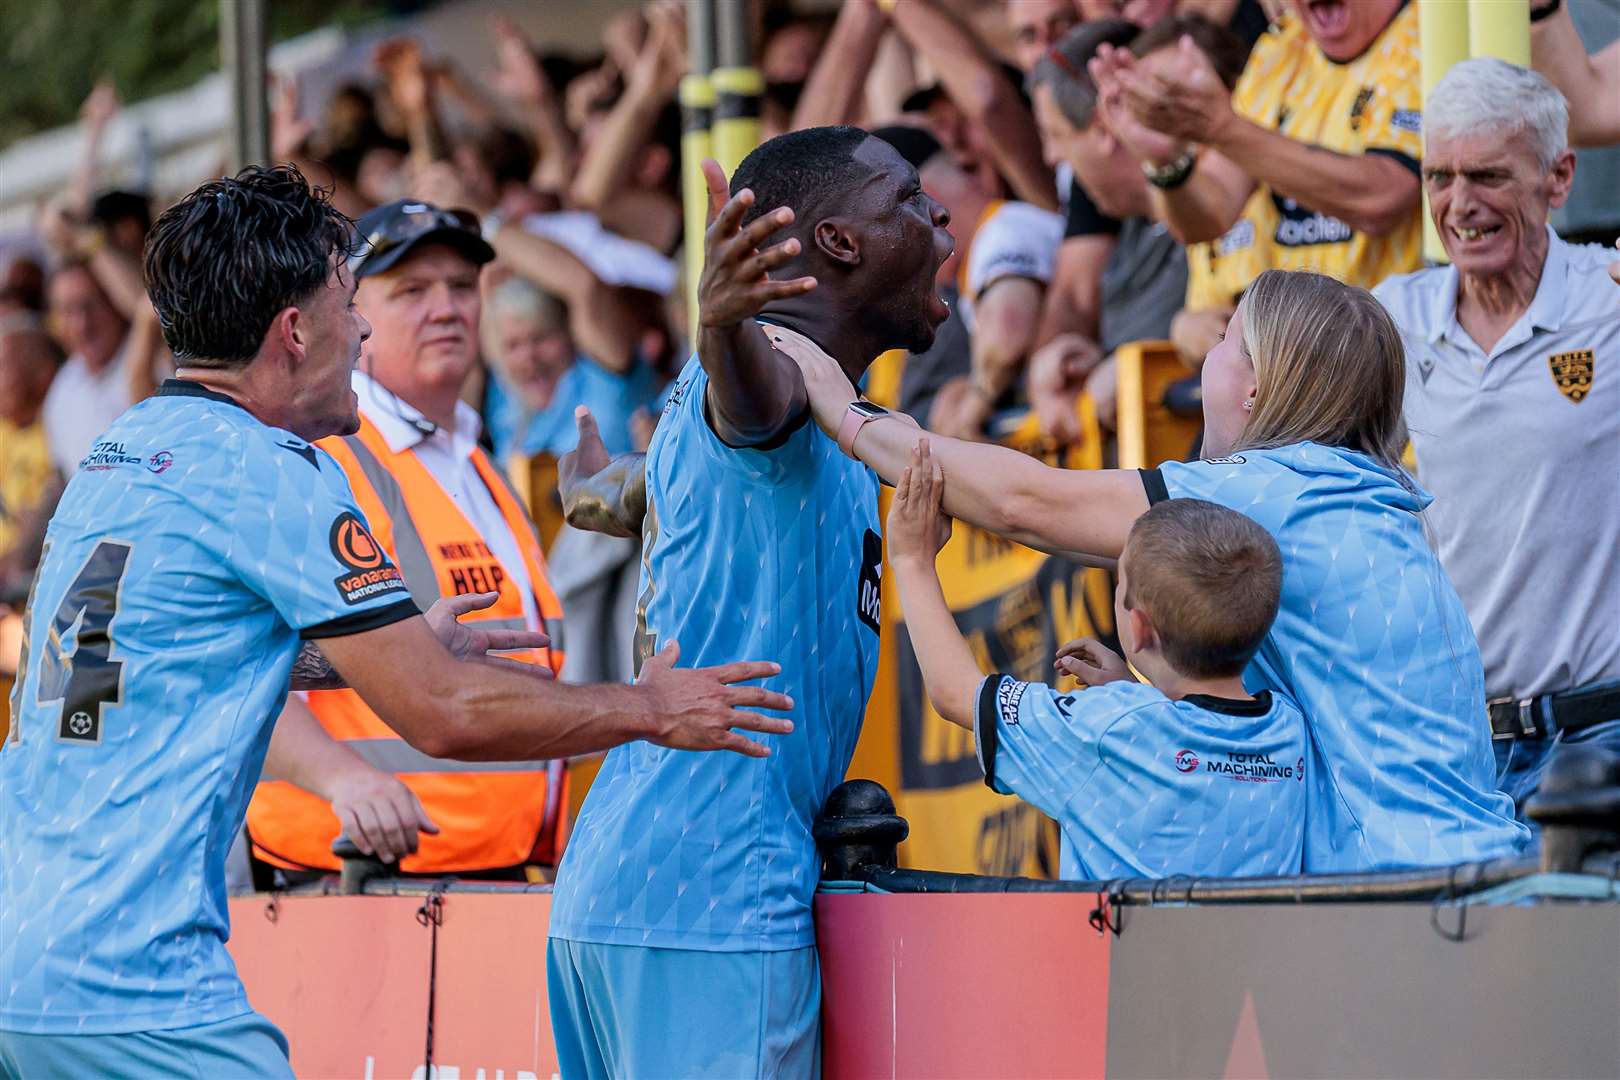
1247 768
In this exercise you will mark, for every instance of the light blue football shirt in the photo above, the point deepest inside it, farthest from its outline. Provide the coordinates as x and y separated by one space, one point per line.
612 397
191 551
1143 786
1373 644
747 555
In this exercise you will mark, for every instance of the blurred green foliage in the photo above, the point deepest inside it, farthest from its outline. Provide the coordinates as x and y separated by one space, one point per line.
52 51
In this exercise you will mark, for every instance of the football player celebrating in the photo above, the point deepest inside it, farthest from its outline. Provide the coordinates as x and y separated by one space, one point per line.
201 541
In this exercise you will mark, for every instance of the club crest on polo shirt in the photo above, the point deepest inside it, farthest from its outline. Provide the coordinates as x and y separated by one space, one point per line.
1572 373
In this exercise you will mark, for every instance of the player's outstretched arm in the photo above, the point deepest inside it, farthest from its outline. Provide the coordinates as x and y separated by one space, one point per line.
313 671
1082 513
601 494
486 712
753 392
917 529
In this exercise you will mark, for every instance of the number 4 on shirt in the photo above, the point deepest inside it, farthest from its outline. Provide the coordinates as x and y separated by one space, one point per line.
87 679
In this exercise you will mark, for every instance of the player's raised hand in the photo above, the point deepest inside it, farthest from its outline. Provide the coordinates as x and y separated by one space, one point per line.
1090 661
589 456
736 281
825 382
697 708
470 643
917 526
381 815
600 493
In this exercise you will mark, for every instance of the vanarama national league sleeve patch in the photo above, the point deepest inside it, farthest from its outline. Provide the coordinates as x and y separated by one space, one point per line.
367 572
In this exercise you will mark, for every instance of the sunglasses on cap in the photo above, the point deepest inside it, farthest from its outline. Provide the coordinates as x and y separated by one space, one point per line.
411 223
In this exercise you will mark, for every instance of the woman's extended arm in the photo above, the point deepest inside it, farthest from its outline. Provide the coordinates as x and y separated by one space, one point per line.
1082 512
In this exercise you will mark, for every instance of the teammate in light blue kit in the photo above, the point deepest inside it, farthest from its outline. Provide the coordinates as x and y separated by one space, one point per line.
1302 408
201 540
681 934
1191 775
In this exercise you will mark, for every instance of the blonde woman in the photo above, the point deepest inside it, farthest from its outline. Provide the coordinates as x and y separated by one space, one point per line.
1302 409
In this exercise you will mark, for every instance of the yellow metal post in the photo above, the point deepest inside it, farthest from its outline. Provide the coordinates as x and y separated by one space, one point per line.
738 85
697 109
1444 40
1499 28
736 114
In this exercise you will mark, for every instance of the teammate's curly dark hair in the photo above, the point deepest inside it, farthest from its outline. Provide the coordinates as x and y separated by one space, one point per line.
222 261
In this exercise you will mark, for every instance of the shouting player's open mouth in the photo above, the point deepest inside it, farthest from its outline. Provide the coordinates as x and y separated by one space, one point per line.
944 244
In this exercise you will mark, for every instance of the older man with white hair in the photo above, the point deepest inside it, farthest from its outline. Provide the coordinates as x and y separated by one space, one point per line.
1513 402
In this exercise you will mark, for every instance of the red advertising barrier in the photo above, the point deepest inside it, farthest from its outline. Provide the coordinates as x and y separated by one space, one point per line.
962 986
347 979
914 986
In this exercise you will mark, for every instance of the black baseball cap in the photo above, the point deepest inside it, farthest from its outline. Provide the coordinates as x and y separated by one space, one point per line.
393 230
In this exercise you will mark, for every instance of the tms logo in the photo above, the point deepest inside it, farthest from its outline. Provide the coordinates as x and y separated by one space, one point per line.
1299 770
1186 761
160 462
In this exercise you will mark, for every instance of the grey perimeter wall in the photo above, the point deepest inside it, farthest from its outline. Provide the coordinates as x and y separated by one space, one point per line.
1364 990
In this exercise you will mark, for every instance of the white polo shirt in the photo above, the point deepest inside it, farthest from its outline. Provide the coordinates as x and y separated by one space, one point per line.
446 453
1521 448
1015 240
81 404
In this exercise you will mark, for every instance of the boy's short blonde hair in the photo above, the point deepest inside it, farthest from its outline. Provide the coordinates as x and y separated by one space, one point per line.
1209 578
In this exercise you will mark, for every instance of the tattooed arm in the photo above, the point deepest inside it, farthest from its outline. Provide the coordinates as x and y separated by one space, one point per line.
312 671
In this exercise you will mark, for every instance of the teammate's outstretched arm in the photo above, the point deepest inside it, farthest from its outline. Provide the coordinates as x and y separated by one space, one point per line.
753 391
916 530
1086 513
482 712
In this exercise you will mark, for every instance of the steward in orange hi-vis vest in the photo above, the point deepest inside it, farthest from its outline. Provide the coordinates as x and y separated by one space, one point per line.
491 815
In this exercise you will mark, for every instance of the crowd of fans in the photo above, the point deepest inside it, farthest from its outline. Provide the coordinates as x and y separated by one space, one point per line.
1121 174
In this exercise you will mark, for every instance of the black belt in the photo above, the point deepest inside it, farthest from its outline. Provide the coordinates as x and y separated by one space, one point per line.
1569 710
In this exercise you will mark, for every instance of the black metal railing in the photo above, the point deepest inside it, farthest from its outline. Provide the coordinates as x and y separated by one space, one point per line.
859 831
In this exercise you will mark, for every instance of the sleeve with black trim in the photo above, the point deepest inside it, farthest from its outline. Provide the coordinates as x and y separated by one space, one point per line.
298 539
985 732
1153 484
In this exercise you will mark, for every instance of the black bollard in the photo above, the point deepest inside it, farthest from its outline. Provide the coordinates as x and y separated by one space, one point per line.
858 831
1578 807
358 867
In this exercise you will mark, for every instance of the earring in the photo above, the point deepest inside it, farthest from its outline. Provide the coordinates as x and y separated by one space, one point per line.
1249 404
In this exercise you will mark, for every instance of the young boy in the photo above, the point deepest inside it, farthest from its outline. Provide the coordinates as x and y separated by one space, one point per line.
1191 775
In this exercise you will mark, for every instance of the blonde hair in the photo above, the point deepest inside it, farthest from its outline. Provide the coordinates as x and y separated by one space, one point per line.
1329 366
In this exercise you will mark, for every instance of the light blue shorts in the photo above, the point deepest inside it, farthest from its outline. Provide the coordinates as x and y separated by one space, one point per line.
633 1012
243 1046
